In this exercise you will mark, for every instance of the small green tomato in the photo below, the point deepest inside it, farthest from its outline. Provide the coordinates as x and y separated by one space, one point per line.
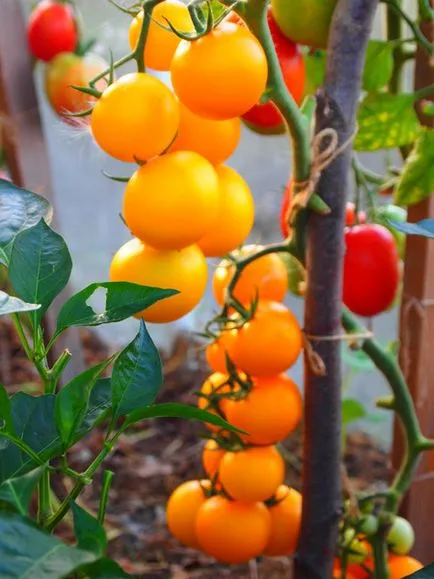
369 525
400 537
357 550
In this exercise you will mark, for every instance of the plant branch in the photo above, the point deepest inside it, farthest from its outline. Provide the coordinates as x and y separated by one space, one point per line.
395 6
31 355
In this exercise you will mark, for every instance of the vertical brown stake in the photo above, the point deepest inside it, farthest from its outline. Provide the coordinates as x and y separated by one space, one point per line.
23 141
417 343
336 110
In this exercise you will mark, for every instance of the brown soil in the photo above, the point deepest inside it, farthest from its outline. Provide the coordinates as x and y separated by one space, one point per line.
155 457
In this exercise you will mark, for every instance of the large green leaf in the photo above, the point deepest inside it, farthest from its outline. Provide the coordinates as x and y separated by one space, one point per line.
28 553
19 209
40 266
104 569
176 410
137 375
12 305
34 423
18 491
73 400
88 531
123 299
386 121
378 65
417 178
6 420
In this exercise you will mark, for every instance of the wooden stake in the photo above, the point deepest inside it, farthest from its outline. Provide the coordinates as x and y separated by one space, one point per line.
417 344
26 154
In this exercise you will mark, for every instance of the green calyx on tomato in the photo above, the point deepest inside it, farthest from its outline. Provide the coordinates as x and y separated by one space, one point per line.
387 213
304 21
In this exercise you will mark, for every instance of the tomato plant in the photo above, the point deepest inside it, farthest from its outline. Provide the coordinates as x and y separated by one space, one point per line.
52 29
285 515
182 509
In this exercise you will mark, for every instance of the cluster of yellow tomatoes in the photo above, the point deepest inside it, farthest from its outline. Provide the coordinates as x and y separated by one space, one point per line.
182 204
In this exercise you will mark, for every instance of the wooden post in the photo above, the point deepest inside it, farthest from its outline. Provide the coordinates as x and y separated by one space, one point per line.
417 345
26 154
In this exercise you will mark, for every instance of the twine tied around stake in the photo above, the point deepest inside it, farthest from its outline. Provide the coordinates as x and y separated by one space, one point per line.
322 157
315 361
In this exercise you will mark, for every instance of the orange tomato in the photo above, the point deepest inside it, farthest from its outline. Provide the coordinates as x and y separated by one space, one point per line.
211 457
172 201
161 43
214 384
269 413
214 140
185 271
285 523
136 118
269 343
353 571
221 75
182 508
265 277
216 350
235 216
231 531
68 69
253 474
402 565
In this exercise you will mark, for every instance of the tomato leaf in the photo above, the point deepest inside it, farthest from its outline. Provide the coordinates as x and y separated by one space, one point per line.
424 228
378 65
122 300
73 400
35 424
40 266
104 569
352 410
416 181
18 491
386 121
28 553
427 108
19 209
89 532
6 421
137 375
12 305
315 65
175 410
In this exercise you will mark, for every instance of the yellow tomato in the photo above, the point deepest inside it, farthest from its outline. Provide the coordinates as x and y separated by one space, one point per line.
160 42
172 201
185 271
136 118
235 216
214 140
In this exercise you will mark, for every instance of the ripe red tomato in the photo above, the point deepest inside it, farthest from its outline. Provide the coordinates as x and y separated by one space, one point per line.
371 269
284 211
51 29
350 215
266 118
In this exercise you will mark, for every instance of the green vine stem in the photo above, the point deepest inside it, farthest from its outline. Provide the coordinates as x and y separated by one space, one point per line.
395 6
402 404
105 490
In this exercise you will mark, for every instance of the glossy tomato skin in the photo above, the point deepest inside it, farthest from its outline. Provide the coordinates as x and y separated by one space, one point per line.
68 69
51 29
266 118
221 75
182 508
136 117
161 43
285 522
401 565
172 201
371 269
305 21
184 270
212 455
232 531
218 349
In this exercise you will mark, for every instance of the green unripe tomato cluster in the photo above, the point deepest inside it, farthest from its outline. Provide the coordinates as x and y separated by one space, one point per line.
400 537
